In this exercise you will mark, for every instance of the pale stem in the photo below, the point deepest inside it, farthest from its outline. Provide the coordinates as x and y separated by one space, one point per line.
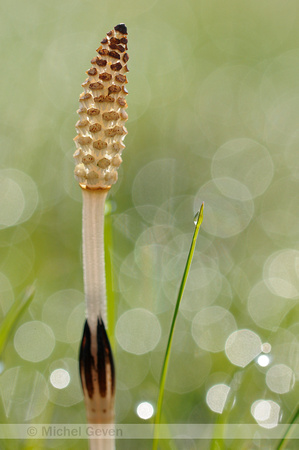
93 256
102 444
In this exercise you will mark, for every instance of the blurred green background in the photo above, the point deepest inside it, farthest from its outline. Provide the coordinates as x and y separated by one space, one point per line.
214 117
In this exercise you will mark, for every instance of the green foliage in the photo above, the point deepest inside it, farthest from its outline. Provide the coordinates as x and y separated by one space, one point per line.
13 316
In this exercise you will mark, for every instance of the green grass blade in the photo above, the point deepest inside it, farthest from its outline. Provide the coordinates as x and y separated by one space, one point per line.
14 314
198 222
282 444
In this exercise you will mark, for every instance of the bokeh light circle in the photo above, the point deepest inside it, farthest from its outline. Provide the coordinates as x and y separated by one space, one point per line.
266 347
242 346
60 378
205 282
24 393
233 189
19 197
211 328
266 413
132 378
12 202
263 360
64 382
145 410
266 309
184 354
133 291
281 273
280 378
245 161
138 331
153 185
34 341
280 210
216 397
61 312
75 323
224 215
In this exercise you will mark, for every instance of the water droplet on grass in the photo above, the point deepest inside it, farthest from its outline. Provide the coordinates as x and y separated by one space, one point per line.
198 216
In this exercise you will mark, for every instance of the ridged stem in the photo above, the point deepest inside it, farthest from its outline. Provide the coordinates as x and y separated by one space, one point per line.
93 256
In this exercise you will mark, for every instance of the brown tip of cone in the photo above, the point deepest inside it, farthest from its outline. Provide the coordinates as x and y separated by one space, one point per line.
121 28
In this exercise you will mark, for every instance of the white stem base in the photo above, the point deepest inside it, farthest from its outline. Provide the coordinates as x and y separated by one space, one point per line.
102 444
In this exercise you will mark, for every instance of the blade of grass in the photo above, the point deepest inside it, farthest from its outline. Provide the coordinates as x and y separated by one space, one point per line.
198 222
222 419
17 309
282 444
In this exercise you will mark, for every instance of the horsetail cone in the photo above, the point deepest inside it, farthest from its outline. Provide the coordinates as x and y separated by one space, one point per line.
99 142
102 114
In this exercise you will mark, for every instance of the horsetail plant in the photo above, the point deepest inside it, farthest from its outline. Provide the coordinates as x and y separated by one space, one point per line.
99 145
